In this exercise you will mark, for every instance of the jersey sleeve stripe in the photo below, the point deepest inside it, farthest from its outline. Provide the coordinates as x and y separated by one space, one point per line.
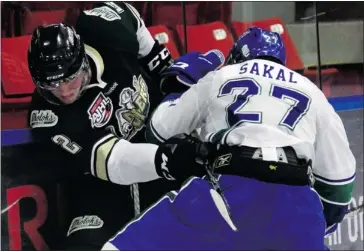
217 136
100 155
335 183
210 136
334 202
155 133
334 194
225 136
330 181
113 143
135 13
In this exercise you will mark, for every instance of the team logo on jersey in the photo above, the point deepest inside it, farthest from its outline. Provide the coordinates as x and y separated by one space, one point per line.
85 222
164 167
115 6
43 118
100 111
223 160
245 50
112 88
134 108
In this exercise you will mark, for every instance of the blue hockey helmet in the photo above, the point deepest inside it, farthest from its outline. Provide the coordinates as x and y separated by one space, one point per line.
256 42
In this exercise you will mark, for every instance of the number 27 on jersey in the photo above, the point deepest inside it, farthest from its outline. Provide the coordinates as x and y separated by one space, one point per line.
248 87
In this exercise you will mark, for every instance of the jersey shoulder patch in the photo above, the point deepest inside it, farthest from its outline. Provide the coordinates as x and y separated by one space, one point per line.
42 118
115 6
104 12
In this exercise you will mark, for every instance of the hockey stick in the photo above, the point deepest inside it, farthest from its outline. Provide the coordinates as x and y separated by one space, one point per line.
219 198
352 211
134 191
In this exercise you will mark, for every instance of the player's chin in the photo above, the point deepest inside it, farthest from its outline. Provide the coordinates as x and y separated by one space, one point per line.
68 99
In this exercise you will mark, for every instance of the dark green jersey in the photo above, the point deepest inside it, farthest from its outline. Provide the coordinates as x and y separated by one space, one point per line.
125 62
119 97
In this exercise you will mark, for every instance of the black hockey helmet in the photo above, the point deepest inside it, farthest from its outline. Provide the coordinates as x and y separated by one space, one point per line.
56 54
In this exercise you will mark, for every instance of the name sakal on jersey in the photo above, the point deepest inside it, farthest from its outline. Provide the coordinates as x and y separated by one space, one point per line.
269 71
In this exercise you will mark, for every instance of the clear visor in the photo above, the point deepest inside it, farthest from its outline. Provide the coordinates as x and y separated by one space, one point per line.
81 76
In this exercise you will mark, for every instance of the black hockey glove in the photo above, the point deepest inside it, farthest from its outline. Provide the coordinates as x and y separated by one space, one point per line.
181 157
157 61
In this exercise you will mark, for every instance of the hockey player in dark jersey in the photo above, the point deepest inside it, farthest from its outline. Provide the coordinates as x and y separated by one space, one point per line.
96 84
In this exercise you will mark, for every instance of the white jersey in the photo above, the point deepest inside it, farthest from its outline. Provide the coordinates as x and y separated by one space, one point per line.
262 104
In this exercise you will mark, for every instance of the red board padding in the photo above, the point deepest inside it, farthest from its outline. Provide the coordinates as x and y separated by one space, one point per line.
205 37
164 36
17 85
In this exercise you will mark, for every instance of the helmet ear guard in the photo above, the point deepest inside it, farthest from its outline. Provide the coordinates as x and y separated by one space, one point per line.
257 43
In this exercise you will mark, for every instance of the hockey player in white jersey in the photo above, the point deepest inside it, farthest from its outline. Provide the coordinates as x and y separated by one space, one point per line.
281 152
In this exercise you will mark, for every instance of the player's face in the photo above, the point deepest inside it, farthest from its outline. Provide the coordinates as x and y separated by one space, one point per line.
67 92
